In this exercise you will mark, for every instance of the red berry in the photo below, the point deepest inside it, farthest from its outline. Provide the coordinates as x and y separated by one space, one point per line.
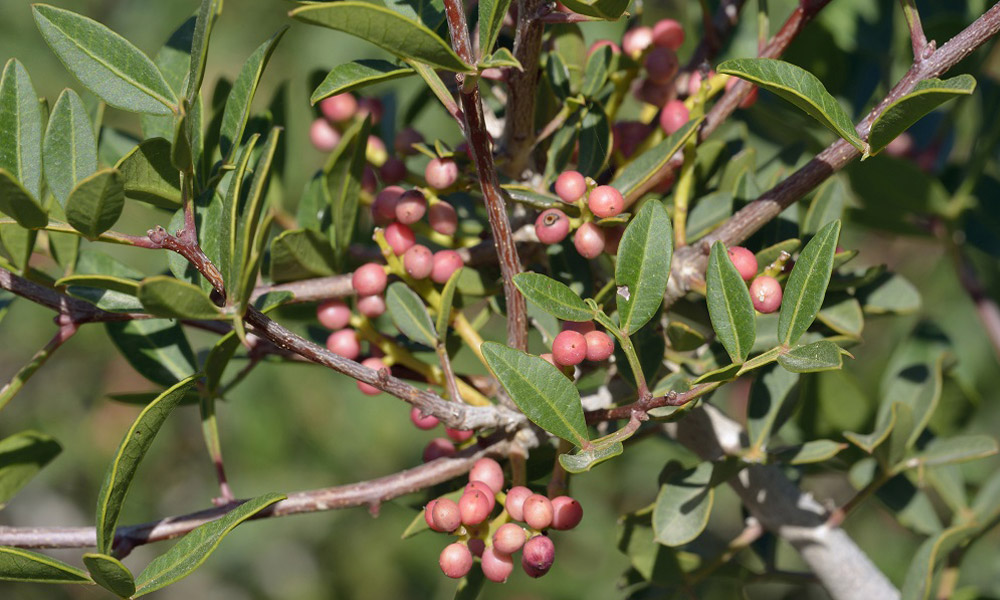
441 173
429 514
673 116
570 186
459 435
537 511
455 560
399 237
582 327
605 202
485 489
443 218
405 140
339 108
371 306
411 207
344 343
552 226
421 420
474 506
418 262
569 348
509 538
589 240
668 33
376 364
369 279
437 448
384 206
636 40
323 137
750 99
599 346
766 294
661 65
515 501
612 239
538 555
445 515
370 106
393 170
489 472
497 567
744 261
566 513
446 262
333 314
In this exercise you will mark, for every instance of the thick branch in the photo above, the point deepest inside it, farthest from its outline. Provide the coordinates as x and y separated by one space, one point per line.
519 126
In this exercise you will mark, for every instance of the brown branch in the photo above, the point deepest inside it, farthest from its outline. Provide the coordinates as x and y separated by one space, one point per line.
78 311
519 126
917 38
643 406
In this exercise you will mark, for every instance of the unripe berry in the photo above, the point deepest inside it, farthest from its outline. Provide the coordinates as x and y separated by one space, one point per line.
661 65
497 567
537 511
766 294
455 560
581 327
474 506
602 43
339 108
605 202
437 448
333 314
569 348
369 279
599 346
636 40
485 489
375 151
571 186
509 538
538 555
445 515
446 262
371 306
750 99
323 137
552 226
384 206
371 363
441 173
399 237
405 140
668 33
673 116
489 472
443 218
344 343
566 513
392 171
370 106
421 420
612 239
515 501
744 261
418 262
459 435
411 207
589 240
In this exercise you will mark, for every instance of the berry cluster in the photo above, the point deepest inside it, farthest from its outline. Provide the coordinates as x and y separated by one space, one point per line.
438 447
595 201
495 541
336 315
397 209
578 342
765 291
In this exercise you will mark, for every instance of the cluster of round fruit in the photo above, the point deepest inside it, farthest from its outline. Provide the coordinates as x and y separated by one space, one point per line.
495 541
765 291
397 209
344 341
440 446
578 342
601 201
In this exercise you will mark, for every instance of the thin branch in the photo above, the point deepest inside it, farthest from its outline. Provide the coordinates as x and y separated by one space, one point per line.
8 391
917 37
519 126
78 311
644 406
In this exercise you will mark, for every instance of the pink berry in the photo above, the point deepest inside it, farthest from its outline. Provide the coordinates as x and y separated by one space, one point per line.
602 43
443 218
445 515
371 306
376 364
636 40
369 279
489 472
668 33
566 513
344 343
399 237
750 99
547 357
673 116
392 171
384 206
569 348
552 226
744 261
515 501
537 511
323 137
370 106
459 435
421 420
441 173
538 555
333 314
571 186
438 448
497 567
418 262
581 327
612 239
509 538
589 240
446 262
605 202
455 560
474 506
661 65
429 514
766 294
411 207
339 108
405 140
485 489
599 346
477 547
901 146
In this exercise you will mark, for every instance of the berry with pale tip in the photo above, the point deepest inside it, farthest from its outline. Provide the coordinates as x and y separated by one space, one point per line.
571 186
333 314
765 292
455 560
446 262
589 240
371 306
369 279
418 261
323 137
515 501
441 173
497 566
489 472
744 261
537 511
344 343
399 237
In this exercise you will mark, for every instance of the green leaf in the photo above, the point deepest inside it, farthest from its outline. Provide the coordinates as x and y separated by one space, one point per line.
343 172
195 547
843 315
130 453
986 505
595 73
19 204
237 111
683 337
594 141
301 254
729 305
890 293
810 452
156 348
643 167
721 374
227 207
823 355
409 314
105 62
96 202
920 574
827 206
540 390
165 296
181 154
22 456
21 129
916 386
70 148
584 460
643 266
249 230
553 297
904 112
384 28
773 396
609 10
470 586
446 303
491 16
17 564
962 448
149 176
208 12
683 505
884 425
770 254
109 573
806 286
358 74
501 58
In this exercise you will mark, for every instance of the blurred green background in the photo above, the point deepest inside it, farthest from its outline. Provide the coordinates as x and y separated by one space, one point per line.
295 427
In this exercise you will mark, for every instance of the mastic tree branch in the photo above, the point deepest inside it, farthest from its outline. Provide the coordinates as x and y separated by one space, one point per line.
519 126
